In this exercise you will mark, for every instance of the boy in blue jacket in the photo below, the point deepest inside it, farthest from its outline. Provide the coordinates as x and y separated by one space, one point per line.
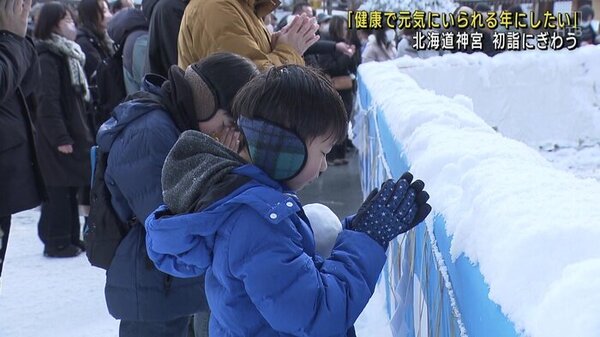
235 217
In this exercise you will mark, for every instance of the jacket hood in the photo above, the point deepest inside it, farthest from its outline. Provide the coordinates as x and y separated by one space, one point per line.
192 170
125 22
136 106
182 244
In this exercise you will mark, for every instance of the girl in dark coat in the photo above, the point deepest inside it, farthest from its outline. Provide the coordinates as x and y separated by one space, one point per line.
63 136
137 139
93 38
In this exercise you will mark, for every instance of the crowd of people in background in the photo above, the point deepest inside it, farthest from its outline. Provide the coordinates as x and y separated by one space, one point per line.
385 44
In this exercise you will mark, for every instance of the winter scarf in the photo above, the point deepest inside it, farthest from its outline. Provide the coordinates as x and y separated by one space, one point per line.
76 60
195 164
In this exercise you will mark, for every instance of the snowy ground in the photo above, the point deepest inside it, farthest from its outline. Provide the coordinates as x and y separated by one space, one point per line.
583 160
64 298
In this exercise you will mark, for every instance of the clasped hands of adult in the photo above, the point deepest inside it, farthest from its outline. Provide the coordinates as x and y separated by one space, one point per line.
13 16
300 34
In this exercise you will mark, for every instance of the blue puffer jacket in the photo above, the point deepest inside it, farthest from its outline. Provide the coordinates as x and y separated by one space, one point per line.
257 251
138 138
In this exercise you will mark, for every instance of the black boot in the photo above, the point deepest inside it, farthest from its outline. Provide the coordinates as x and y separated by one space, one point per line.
62 251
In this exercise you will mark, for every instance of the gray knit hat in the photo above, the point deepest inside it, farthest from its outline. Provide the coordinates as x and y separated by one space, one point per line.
203 93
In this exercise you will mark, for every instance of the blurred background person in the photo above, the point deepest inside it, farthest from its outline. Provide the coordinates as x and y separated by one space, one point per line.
323 20
63 135
407 43
488 34
588 34
341 68
299 9
380 46
164 20
93 38
20 180
270 21
33 15
119 5
129 29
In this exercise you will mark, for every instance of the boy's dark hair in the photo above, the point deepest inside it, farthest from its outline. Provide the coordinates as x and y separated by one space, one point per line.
91 15
50 16
298 98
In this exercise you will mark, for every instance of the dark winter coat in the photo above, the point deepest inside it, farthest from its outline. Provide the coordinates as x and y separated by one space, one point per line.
95 51
163 34
60 120
138 138
21 185
339 64
588 35
130 28
93 48
257 250
320 47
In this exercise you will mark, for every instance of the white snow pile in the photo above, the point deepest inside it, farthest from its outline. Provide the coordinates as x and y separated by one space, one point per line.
532 229
325 225
537 97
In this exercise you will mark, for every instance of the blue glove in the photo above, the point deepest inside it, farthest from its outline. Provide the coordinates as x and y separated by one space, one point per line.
396 208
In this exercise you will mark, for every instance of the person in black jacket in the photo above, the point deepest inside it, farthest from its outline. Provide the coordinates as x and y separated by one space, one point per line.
20 182
164 17
93 38
341 68
588 34
129 29
64 137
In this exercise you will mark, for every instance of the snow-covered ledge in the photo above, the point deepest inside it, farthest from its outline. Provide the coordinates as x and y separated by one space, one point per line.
537 97
532 231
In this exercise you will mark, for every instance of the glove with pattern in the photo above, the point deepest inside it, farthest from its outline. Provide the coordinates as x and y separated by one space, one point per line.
394 209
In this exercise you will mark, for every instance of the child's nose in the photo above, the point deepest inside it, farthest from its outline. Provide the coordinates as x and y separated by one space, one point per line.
323 165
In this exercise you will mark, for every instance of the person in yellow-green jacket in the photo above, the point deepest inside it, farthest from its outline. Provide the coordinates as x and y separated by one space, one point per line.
236 26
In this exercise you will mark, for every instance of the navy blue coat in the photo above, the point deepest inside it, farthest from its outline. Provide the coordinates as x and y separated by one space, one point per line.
138 138
263 278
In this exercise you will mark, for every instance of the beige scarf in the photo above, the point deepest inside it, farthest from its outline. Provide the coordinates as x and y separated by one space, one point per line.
76 61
